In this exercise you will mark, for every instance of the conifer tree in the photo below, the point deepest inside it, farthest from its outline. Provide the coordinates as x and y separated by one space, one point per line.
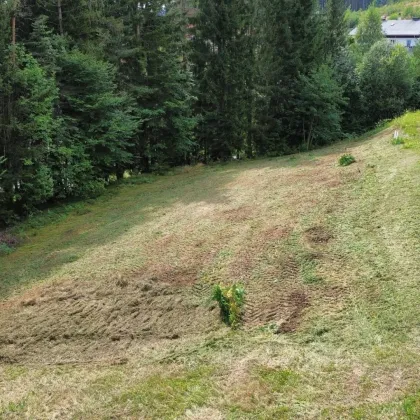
154 70
223 57
291 47
336 27
27 96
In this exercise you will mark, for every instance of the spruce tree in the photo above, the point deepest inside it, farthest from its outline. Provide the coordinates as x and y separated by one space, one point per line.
223 58
153 68
336 32
291 46
27 128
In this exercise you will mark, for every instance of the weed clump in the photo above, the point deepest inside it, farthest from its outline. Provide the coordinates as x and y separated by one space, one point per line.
346 160
397 141
8 243
231 300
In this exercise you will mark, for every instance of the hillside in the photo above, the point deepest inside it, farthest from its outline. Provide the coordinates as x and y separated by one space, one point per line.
106 309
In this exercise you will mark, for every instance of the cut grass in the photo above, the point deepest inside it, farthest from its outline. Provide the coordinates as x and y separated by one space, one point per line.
328 257
167 397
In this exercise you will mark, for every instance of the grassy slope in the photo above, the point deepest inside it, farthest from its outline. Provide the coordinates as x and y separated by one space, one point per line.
406 9
345 241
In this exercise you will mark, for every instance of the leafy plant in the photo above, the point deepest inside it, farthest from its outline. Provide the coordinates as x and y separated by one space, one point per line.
231 300
346 160
397 141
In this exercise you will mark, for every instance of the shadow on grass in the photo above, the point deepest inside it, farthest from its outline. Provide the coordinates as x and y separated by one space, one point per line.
65 234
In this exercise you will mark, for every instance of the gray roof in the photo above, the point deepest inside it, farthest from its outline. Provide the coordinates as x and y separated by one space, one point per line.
398 28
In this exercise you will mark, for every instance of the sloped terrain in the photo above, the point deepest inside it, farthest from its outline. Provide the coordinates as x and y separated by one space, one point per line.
106 310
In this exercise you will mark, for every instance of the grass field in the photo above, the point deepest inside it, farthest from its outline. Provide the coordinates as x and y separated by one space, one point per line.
106 310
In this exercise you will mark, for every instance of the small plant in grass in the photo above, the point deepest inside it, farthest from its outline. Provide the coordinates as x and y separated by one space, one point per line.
397 140
346 160
231 300
5 249
8 243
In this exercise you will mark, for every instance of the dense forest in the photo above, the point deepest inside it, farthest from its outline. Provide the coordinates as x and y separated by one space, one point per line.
91 90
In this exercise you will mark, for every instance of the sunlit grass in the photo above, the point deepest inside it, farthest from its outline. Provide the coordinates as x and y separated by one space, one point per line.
346 237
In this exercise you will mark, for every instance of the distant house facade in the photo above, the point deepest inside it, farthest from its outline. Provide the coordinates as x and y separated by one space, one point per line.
405 32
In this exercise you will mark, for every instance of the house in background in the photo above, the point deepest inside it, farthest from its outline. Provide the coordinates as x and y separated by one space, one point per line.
404 31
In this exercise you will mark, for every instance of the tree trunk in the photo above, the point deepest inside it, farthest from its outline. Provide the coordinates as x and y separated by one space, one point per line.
14 28
60 17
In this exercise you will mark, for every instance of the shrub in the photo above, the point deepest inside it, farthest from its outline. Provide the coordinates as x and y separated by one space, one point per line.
231 300
346 160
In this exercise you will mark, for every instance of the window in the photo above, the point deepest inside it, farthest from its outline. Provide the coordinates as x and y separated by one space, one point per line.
408 43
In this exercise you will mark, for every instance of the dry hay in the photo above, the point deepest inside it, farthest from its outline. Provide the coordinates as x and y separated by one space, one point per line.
80 322
148 285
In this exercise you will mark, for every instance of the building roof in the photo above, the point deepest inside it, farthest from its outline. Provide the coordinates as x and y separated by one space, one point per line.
403 27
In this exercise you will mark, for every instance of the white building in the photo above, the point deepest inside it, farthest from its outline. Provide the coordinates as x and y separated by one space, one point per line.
403 31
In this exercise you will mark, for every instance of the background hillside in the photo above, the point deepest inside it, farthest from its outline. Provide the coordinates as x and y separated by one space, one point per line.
94 91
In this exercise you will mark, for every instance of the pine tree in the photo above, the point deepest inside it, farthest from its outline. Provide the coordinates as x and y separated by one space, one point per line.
223 58
336 27
154 70
95 139
27 128
291 46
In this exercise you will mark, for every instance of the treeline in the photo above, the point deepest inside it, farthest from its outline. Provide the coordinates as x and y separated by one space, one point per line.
360 4
93 89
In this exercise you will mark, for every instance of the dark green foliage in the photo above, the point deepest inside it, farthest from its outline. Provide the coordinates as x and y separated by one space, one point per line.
291 52
97 125
93 90
346 160
27 127
318 108
230 300
336 28
223 57
386 81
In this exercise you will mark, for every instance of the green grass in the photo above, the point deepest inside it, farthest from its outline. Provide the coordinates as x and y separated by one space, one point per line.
168 397
348 238
278 379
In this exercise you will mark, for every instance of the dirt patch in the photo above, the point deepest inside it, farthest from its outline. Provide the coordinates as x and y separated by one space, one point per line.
237 215
299 301
171 276
279 307
80 322
318 235
276 233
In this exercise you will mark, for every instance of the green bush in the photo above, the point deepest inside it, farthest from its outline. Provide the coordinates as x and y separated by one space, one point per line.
231 300
393 16
346 160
